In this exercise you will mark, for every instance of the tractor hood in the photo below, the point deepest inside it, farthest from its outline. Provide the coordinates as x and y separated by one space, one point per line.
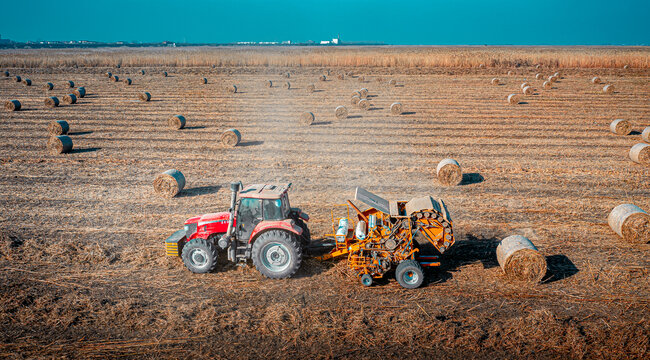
209 218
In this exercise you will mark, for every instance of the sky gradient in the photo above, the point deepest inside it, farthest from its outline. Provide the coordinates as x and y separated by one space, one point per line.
433 22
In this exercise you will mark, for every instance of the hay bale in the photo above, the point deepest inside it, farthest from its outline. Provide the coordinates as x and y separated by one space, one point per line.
626 67
49 86
510 73
145 96
495 81
204 80
340 76
176 122
363 104
127 81
513 99
631 223
118 66
640 154
27 82
52 101
341 112
524 84
58 127
538 66
552 79
142 72
269 83
620 127
481 66
392 82
169 184
115 78
307 118
645 135
287 75
520 260
69 99
70 84
231 137
557 74
108 74
539 76
287 85
364 93
18 78
232 89
6 73
608 89
449 172
528 90
396 108
595 80
60 144
547 85
357 94
164 73
12 105
355 100
311 88
322 78
80 92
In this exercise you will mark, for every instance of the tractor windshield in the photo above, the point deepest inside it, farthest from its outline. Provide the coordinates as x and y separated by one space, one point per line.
276 209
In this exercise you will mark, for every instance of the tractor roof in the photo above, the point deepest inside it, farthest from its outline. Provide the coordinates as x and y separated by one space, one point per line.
264 191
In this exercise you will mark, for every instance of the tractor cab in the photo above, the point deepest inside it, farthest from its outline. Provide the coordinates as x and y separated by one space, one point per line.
261 203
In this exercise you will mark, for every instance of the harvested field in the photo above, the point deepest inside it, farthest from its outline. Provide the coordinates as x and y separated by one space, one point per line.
82 261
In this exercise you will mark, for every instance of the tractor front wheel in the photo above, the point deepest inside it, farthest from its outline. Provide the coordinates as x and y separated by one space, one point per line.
409 274
277 254
200 256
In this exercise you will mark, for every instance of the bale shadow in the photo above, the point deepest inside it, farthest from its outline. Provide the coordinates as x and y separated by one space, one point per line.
322 123
371 96
318 91
194 127
634 132
399 85
559 267
84 150
375 108
201 190
80 133
251 143
354 117
472 178
408 113
522 103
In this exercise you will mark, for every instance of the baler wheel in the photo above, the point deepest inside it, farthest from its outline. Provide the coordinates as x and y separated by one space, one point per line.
409 274
366 280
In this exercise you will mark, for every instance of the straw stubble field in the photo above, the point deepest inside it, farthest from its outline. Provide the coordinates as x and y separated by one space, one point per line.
82 262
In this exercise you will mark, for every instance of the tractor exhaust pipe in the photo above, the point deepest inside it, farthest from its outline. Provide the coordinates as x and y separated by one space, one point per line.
225 241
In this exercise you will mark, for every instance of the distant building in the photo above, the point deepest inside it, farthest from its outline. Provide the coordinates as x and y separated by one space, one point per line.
288 42
325 42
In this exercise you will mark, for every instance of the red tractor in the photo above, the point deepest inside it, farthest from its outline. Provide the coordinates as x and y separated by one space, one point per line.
260 225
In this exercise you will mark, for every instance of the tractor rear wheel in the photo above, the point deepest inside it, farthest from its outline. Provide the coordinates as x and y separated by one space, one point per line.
277 254
409 274
306 234
200 256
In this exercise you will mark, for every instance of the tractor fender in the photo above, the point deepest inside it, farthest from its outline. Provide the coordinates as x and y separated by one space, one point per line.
286 225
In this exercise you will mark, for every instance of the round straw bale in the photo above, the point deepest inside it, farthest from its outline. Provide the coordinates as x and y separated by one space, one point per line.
552 79
18 78
392 82
595 80
115 78
513 99
70 99
144 96
524 84
396 108
510 72
608 89
356 93
204 80
231 137
326 73
307 118
6 73
169 183
176 122
49 86
363 92
287 85
108 74
363 104
232 89
620 127
645 135
631 223
355 100
520 259
322 78
269 83
495 81
52 101
640 154
12 105
341 112
58 127
142 72
311 87
538 66
528 90
60 144
341 76
547 85
164 73
118 66
27 82
449 172
70 84
127 81
539 76
287 75
80 92
557 74
626 66
481 66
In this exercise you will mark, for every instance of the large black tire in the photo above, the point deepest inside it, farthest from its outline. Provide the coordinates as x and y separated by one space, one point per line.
409 274
277 254
305 237
200 256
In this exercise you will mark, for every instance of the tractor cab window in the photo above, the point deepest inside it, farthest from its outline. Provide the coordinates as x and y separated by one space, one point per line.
273 209
249 210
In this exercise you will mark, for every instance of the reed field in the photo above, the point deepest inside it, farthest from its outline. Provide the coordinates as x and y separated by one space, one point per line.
83 270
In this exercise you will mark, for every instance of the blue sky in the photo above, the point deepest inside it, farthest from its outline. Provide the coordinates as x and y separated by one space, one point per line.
433 22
